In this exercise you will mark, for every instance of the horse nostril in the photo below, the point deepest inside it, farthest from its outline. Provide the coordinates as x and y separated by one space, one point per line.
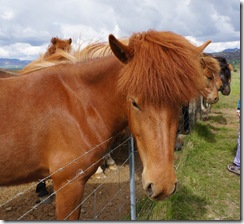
175 188
149 190
216 99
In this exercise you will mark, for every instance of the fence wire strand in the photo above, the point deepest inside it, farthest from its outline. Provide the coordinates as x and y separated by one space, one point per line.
144 206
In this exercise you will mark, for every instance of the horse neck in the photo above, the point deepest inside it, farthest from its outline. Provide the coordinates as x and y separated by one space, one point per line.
99 77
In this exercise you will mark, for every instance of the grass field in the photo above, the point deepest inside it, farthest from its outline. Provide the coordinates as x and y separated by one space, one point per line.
207 190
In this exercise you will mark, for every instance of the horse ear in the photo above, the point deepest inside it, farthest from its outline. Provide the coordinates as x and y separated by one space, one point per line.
203 46
203 63
230 67
122 52
70 40
54 40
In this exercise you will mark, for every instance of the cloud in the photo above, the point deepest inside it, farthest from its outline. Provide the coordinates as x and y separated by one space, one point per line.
35 22
23 51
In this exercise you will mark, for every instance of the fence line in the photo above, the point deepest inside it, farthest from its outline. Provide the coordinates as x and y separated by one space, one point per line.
59 170
136 211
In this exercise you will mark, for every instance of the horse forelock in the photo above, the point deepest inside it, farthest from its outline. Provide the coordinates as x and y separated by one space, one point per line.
163 70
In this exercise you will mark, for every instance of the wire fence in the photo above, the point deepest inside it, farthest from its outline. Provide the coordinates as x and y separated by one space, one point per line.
118 196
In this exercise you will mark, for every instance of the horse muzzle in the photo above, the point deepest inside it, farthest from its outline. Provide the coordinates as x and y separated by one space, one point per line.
225 91
159 191
213 101
158 195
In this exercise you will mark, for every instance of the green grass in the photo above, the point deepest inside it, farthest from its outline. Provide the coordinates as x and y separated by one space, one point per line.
206 191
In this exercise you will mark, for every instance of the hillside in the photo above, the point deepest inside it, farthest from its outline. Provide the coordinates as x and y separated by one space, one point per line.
13 64
231 55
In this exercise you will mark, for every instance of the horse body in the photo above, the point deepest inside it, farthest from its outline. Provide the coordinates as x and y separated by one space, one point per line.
44 105
58 114
36 139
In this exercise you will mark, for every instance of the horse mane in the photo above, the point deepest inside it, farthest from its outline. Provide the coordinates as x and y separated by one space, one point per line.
95 50
60 56
211 63
58 52
164 70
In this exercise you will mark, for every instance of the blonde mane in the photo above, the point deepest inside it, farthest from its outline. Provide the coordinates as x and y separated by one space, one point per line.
91 51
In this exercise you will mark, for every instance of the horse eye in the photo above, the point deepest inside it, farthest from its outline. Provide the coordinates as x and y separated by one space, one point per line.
135 105
210 78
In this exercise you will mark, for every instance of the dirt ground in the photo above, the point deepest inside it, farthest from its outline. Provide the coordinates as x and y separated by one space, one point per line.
107 198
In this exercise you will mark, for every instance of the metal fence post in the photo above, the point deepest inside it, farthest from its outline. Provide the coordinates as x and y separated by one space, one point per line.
132 180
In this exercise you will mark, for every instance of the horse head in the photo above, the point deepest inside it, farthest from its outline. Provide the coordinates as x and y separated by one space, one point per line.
153 101
213 83
58 44
225 75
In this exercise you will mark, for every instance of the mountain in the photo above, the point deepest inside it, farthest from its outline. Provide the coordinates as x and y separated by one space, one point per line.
13 64
231 50
16 64
231 55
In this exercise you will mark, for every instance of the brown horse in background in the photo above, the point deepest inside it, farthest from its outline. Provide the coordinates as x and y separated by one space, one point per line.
54 54
57 43
54 121
222 75
5 73
213 82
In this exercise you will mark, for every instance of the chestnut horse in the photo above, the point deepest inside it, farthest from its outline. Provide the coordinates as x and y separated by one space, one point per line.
5 73
57 43
223 80
53 122
53 55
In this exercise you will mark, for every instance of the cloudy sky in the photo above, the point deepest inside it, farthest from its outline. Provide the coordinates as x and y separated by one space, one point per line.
26 26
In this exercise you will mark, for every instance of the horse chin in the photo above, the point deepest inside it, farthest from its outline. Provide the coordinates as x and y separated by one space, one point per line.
225 92
212 101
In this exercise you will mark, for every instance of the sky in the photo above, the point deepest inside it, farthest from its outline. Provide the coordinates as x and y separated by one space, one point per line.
27 26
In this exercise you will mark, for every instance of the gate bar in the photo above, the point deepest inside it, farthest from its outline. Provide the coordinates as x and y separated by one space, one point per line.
132 179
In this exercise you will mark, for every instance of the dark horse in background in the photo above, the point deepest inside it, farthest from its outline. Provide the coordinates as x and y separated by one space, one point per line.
225 75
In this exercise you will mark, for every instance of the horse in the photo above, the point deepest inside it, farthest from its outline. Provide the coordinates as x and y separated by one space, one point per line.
225 75
212 69
54 54
5 73
57 43
58 121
